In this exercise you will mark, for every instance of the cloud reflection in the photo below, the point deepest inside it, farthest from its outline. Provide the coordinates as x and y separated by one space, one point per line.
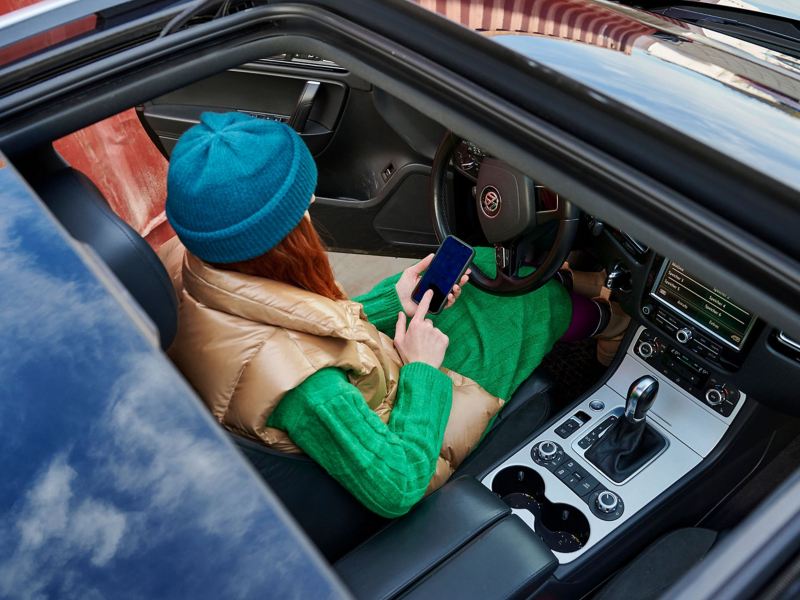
117 483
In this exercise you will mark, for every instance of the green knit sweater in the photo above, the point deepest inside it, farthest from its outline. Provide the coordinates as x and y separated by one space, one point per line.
495 340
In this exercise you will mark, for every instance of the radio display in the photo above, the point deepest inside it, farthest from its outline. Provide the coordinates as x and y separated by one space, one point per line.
712 309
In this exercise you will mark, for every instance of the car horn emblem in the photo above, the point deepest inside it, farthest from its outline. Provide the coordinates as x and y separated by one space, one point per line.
490 201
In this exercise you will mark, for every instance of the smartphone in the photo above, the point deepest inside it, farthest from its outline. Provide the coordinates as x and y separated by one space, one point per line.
448 265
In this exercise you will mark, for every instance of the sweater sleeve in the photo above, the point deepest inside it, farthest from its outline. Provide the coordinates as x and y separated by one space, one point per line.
381 305
386 466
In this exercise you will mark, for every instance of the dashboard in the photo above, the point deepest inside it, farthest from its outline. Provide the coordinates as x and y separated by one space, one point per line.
696 334
712 310
701 337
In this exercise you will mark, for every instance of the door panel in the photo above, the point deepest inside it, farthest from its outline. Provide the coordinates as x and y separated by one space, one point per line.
372 151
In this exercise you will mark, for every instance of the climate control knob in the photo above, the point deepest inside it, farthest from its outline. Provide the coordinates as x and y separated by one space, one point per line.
646 349
716 395
546 450
683 335
607 502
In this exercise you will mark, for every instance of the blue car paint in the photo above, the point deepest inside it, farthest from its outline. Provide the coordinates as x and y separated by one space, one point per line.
665 79
116 483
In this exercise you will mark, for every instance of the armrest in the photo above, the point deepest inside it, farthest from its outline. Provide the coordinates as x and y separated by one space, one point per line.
506 561
410 547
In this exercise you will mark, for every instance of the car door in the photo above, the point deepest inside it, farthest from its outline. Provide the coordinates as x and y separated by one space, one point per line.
373 152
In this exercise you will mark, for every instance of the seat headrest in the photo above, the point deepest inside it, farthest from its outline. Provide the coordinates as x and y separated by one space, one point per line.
83 211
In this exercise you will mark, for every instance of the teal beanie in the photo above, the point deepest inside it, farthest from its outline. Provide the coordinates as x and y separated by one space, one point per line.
237 186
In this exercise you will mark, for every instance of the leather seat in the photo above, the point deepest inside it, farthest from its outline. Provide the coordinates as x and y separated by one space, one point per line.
334 520
83 211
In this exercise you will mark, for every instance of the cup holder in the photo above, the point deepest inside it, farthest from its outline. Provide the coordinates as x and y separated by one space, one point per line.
562 527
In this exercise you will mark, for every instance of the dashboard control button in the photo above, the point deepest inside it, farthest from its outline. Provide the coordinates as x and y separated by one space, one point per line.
570 465
585 486
547 450
548 454
645 349
597 405
567 428
716 395
579 480
683 335
599 507
607 502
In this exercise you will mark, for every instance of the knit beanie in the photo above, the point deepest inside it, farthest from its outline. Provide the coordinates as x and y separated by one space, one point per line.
237 185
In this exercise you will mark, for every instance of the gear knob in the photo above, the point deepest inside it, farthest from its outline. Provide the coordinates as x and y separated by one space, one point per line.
641 396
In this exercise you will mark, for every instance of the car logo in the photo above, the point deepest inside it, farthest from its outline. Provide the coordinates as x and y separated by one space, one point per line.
490 201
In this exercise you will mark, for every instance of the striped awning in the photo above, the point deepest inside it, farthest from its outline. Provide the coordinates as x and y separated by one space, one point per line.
567 19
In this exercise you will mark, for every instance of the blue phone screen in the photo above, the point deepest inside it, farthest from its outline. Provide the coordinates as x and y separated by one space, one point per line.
451 259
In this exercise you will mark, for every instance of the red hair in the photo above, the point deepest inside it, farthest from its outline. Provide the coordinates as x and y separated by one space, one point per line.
300 259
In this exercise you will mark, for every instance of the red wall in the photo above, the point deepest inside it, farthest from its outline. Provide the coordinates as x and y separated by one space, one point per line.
115 153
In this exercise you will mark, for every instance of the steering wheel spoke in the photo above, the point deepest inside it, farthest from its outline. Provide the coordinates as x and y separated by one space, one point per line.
548 206
505 257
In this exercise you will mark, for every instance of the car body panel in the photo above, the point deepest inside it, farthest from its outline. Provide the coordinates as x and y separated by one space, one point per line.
116 481
780 8
673 72
662 79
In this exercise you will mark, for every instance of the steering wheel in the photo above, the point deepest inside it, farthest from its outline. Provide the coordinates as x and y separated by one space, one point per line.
508 213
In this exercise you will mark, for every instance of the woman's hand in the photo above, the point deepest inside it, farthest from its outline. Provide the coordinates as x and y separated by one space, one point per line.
421 342
411 276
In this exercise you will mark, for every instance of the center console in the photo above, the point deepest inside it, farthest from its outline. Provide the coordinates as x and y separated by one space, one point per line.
664 409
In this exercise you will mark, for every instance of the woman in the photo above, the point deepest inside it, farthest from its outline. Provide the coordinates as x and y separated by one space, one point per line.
278 352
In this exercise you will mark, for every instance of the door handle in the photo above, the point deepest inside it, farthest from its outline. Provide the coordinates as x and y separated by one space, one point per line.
301 112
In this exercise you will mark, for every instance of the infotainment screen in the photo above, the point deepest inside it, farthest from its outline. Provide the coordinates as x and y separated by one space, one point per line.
706 306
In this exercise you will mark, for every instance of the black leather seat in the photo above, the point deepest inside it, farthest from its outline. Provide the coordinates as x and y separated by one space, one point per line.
83 211
334 520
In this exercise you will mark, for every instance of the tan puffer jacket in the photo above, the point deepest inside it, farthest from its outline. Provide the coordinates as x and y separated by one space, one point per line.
244 341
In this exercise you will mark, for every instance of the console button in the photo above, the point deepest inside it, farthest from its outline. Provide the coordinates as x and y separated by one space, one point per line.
716 395
546 450
567 428
683 335
606 502
586 486
580 482
602 500
597 405
561 472
645 349
553 452
570 465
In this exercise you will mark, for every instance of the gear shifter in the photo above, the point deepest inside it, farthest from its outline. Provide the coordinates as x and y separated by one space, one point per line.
641 396
630 442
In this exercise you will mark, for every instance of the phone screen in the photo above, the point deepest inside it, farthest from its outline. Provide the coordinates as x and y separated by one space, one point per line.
451 260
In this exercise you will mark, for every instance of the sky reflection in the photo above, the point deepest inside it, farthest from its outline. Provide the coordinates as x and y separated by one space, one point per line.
749 129
117 484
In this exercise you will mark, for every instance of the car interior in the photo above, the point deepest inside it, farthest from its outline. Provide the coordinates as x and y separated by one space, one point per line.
697 402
